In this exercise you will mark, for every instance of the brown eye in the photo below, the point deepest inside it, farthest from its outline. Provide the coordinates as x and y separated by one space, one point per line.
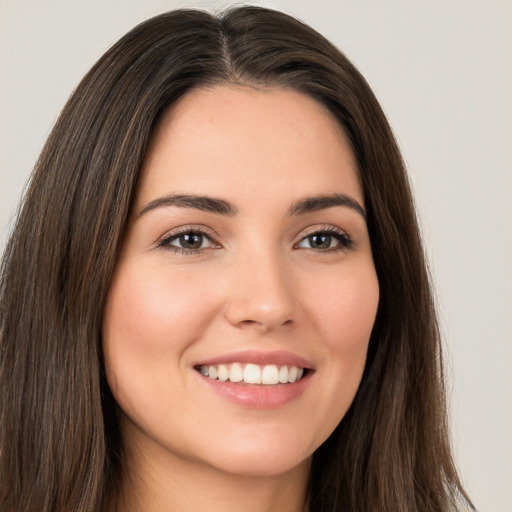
325 241
190 241
187 241
320 241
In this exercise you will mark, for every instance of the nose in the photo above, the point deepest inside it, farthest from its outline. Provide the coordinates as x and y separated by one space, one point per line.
260 293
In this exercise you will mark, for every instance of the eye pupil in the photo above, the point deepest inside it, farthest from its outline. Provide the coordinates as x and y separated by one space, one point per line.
320 241
191 241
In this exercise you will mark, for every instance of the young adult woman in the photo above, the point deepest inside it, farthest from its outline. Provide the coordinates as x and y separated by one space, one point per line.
215 296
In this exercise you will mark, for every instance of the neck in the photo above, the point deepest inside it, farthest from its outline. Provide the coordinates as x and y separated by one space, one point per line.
150 485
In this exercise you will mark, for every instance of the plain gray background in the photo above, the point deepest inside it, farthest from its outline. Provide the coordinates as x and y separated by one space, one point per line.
443 73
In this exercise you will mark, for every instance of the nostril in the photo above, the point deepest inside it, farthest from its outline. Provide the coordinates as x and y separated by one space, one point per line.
260 309
263 325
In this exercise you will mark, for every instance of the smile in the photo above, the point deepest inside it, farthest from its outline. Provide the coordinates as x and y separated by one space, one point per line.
266 375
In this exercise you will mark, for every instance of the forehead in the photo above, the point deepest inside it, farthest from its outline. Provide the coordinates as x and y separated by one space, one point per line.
229 141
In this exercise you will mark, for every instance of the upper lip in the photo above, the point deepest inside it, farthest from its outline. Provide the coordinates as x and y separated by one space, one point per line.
278 357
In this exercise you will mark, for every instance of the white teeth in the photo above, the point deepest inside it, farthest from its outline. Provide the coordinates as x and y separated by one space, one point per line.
252 374
236 374
283 375
268 375
292 374
212 372
222 373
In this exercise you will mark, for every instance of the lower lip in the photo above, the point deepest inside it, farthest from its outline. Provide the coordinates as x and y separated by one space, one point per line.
258 396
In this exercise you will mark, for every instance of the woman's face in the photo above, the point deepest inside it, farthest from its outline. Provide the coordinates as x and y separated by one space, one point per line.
246 259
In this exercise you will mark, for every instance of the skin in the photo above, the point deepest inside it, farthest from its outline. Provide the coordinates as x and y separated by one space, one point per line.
257 282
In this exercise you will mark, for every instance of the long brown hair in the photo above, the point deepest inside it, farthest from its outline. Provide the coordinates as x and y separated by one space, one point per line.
60 448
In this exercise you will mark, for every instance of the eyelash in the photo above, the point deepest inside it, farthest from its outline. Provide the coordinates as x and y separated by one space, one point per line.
344 241
165 243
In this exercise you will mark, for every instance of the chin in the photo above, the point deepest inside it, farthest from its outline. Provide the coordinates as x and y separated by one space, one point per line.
260 455
262 466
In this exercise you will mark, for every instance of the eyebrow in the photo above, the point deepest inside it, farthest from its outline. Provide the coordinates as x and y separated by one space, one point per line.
316 203
223 207
197 202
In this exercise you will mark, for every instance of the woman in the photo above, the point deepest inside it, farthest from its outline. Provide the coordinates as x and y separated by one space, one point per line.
215 294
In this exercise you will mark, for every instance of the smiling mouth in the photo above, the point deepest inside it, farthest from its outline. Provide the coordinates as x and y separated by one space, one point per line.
265 375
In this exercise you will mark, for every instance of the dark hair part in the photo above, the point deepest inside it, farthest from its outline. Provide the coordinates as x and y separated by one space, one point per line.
59 440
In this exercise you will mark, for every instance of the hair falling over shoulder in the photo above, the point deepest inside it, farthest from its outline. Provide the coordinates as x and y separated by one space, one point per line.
60 447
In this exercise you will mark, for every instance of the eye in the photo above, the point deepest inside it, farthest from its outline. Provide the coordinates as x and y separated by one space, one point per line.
188 241
325 240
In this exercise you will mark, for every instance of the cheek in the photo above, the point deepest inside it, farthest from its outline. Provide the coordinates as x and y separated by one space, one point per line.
149 321
346 310
153 311
345 314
